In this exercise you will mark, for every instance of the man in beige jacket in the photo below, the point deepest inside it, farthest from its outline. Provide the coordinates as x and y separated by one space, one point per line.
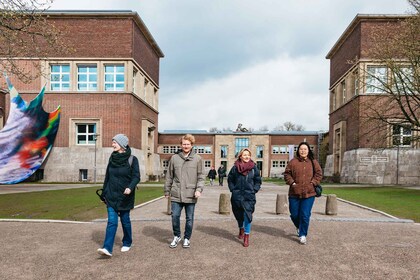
184 184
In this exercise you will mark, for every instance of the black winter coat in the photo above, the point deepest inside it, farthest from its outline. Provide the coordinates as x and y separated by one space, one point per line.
243 189
117 179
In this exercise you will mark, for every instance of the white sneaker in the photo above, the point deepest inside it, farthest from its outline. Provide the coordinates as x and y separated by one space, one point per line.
175 242
125 249
302 240
104 252
186 243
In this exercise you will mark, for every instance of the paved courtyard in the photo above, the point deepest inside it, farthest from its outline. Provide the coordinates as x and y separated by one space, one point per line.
358 243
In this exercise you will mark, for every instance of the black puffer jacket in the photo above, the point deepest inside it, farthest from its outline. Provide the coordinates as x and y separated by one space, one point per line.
117 179
243 189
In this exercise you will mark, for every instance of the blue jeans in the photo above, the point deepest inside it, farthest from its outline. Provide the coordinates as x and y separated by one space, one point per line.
176 216
111 228
246 224
300 213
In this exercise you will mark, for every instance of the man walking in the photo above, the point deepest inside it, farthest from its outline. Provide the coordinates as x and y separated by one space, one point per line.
184 184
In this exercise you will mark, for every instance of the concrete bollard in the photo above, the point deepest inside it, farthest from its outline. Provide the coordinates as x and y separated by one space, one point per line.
282 205
224 205
331 205
169 210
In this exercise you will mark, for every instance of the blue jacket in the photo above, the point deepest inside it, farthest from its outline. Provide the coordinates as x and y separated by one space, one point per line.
243 189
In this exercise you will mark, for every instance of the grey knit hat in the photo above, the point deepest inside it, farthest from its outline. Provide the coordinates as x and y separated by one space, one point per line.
122 140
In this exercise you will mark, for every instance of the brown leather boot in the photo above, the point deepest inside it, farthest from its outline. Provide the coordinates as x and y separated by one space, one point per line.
241 233
246 240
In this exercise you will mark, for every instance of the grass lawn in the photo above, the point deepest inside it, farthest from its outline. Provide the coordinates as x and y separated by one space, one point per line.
72 204
399 202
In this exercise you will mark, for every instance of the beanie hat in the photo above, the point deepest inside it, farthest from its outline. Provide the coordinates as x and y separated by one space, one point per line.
122 140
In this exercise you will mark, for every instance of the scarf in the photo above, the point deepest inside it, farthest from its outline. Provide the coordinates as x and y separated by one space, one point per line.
244 167
120 159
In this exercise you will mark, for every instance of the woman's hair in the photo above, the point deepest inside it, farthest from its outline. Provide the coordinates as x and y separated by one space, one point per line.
242 151
310 153
188 137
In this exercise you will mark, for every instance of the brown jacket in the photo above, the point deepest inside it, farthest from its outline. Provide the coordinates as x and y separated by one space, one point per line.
300 172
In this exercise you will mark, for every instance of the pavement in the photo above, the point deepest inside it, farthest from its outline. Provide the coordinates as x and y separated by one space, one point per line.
357 243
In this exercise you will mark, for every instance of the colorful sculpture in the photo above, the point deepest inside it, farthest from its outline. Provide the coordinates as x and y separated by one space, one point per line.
27 137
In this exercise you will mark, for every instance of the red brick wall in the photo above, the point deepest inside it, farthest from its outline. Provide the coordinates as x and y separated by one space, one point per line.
349 50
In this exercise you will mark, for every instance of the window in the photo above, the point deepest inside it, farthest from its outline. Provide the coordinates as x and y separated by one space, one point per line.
207 163
85 134
403 80
343 90
83 175
334 102
275 150
241 143
284 150
223 151
146 84
60 77
376 79
114 77
356 82
171 149
260 151
401 135
165 164
275 163
87 76
202 149
283 163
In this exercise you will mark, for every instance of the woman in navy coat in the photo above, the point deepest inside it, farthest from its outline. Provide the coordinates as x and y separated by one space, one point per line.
244 182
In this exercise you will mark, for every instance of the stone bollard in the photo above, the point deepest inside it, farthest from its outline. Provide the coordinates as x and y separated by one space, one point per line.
224 205
331 205
282 204
169 210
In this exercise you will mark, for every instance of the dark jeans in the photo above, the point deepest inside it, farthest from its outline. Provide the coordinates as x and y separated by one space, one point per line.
300 213
221 180
111 228
176 217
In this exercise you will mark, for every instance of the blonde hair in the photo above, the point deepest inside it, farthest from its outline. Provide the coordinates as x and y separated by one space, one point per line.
243 150
188 137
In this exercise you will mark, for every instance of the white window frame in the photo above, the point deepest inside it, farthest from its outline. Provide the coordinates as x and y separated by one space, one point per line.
207 163
87 134
275 164
113 75
165 164
376 77
283 163
275 150
57 77
343 91
356 83
401 135
226 149
91 85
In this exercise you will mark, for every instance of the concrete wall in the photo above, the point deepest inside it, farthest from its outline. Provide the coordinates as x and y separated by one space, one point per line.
63 164
379 166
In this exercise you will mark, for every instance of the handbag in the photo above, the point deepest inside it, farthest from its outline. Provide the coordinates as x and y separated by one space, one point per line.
318 188
100 193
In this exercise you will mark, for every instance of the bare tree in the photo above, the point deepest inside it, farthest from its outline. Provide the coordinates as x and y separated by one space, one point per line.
263 128
395 110
278 127
26 36
213 129
289 126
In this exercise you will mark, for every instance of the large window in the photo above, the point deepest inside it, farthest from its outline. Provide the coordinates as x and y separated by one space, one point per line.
241 143
403 78
85 134
165 164
260 151
202 149
275 150
356 82
114 78
207 163
223 151
343 91
60 77
171 149
401 135
275 163
376 79
87 77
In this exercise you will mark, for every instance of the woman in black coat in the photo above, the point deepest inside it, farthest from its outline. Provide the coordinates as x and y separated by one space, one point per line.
122 176
244 182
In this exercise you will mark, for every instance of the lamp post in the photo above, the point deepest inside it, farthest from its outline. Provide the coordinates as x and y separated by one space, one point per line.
398 160
95 138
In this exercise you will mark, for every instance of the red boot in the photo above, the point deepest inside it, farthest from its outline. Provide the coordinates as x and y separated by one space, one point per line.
246 240
241 233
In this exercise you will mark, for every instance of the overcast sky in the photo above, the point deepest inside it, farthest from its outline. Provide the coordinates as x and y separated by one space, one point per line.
259 63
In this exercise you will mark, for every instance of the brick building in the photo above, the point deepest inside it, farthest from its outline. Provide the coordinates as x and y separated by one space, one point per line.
270 150
107 84
366 151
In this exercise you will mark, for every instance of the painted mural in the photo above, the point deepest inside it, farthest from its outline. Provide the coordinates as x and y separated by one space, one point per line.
27 137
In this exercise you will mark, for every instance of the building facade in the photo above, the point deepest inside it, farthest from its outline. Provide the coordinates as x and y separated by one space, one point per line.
271 151
108 83
364 150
